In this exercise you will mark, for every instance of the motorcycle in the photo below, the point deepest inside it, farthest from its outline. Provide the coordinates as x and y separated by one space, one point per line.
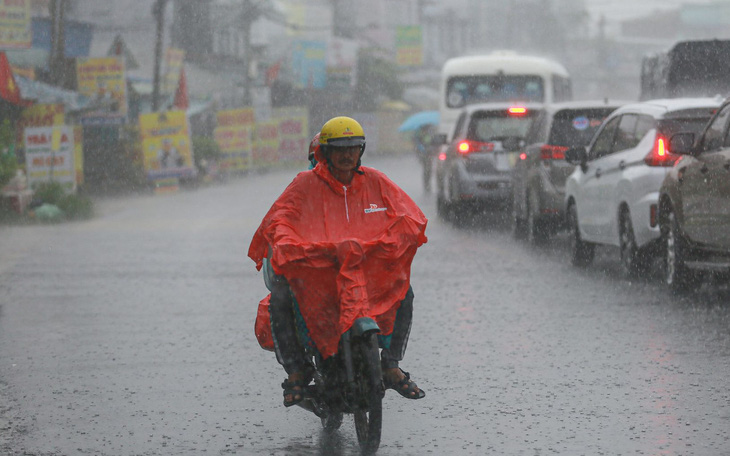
349 382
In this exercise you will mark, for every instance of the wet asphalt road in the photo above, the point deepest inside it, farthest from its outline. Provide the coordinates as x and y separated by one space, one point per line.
132 334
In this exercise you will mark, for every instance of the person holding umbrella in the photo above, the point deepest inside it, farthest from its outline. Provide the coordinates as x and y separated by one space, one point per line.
423 126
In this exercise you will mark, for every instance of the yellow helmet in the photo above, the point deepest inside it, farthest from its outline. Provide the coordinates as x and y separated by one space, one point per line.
342 132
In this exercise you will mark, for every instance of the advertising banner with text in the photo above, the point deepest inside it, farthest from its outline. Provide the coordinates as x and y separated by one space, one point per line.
234 135
49 156
15 29
166 145
293 132
103 80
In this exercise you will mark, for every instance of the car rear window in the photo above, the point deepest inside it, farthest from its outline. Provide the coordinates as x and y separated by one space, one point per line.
690 120
576 127
488 126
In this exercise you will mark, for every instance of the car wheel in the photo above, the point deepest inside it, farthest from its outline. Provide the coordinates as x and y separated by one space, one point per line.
457 210
536 230
581 252
519 226
632 259
442 207
677 275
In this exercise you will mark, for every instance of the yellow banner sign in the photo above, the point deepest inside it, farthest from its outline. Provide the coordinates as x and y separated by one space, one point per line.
166 145
15 30
103 80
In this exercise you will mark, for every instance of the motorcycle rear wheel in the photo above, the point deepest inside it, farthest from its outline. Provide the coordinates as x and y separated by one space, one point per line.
368 422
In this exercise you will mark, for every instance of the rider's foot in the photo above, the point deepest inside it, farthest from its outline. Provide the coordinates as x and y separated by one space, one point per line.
293 389
400 381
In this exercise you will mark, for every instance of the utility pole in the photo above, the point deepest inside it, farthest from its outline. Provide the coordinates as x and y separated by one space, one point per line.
249 13
158 11
57 61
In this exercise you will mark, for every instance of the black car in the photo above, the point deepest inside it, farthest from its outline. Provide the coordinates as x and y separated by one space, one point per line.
538 180
694 205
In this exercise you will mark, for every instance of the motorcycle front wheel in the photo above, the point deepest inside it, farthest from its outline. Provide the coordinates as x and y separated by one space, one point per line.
369 420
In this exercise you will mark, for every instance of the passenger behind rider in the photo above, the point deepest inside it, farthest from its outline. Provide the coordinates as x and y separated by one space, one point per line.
341 143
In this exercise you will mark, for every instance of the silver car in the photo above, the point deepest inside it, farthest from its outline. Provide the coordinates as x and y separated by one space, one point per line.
474 170
540 173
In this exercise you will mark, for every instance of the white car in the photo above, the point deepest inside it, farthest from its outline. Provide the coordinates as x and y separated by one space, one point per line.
611 198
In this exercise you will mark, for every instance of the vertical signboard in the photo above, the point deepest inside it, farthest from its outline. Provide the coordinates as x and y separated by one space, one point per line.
233 134
341 63
266 142
409 45
166 145
293 129
15 30
174 59
102 79
78 132
309 64
49 155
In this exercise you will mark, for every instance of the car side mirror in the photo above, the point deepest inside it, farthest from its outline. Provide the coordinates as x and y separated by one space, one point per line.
682 143
576 156
512 143
439 139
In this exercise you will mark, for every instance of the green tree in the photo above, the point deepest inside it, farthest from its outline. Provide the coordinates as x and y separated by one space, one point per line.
376 78
8 162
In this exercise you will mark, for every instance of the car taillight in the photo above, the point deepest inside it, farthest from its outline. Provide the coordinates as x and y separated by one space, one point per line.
517 110
468 146
660 155
548 152
442 156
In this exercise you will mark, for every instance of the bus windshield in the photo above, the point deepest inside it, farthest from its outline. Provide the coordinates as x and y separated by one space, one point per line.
464 90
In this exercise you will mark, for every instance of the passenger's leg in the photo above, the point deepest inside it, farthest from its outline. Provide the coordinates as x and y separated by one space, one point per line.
401 330
289 351
393 376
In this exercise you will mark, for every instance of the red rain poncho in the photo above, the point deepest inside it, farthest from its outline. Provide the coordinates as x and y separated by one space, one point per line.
346 252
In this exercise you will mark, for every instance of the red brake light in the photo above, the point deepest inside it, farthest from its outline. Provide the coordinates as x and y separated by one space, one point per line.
548 152
660 154
467 146
442 156
517 110
523 156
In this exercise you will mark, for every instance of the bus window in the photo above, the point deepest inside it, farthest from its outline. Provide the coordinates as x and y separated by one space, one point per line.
464 90
561 89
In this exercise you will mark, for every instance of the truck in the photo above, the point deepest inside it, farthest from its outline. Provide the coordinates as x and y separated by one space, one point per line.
694 68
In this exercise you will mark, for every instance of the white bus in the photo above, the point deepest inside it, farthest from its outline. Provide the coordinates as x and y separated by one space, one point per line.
502 76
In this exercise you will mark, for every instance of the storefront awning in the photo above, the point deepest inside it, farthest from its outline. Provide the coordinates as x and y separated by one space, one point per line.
39 92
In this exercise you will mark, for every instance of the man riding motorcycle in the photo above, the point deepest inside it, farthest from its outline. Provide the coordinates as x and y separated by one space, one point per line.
340 239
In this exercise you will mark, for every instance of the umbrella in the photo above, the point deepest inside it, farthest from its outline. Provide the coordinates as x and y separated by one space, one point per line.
420 119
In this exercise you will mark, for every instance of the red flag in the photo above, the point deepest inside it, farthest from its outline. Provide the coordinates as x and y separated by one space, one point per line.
181 94
8 88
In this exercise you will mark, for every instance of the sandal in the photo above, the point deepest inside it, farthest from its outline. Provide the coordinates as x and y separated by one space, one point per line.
405 387
290 391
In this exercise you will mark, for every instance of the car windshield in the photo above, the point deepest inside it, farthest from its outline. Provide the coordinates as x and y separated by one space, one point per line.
464 90
488 126
574 128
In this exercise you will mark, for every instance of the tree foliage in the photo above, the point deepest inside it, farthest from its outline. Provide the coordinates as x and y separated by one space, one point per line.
8 161
377 78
